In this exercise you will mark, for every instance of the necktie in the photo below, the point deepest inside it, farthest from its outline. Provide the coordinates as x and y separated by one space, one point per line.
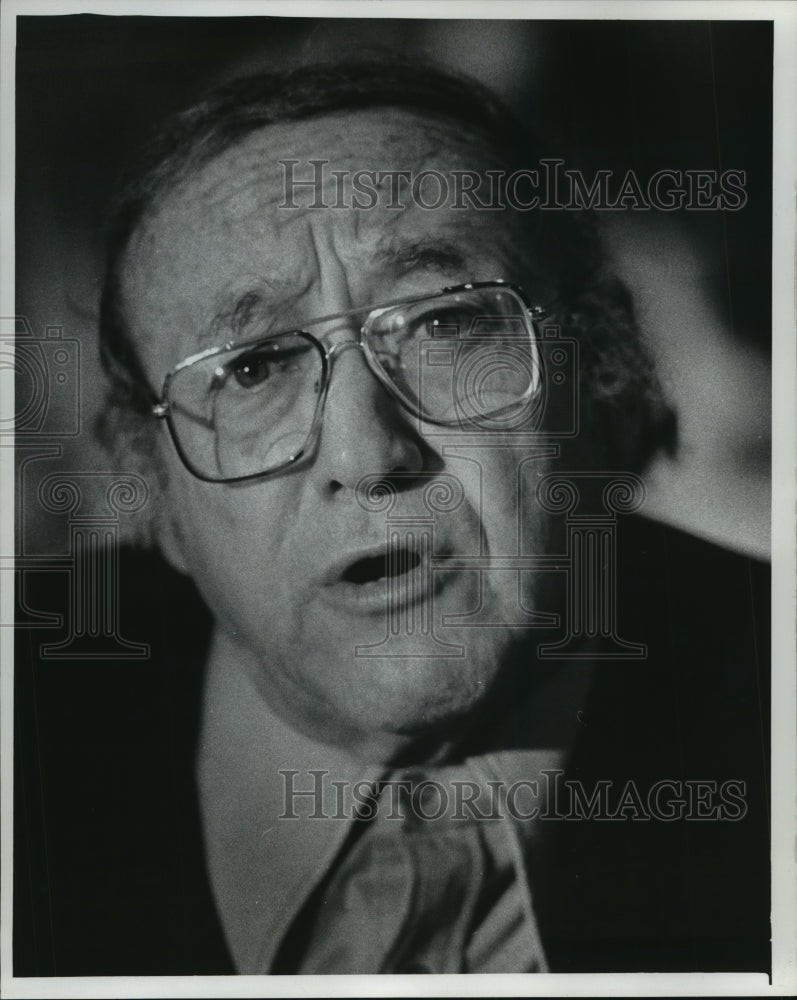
415 895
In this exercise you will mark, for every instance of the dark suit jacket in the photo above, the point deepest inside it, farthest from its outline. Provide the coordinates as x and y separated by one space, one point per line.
109 873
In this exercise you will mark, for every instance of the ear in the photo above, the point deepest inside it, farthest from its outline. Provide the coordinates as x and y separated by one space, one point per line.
136 448
167 535
154 528
168 538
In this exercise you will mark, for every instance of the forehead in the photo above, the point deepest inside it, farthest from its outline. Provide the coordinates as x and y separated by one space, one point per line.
242 224
384 139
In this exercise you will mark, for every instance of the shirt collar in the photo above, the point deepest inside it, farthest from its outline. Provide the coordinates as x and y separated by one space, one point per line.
266 844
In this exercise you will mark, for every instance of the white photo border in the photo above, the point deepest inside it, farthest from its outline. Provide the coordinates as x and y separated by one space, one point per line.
784 505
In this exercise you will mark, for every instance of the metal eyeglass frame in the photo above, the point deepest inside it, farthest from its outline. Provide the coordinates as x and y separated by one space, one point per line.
163 407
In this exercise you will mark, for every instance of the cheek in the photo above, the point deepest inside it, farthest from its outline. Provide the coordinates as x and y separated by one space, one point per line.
535 523
229 539
500 485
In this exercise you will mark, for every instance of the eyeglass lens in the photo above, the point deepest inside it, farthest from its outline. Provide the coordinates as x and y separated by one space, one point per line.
463 359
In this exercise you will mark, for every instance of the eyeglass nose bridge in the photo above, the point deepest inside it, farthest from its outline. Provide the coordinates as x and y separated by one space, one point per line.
337 340
342 342
337 348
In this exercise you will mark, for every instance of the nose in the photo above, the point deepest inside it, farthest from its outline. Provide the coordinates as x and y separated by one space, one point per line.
364 430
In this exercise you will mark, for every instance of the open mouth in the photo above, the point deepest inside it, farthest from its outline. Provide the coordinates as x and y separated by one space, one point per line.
386 578
390 564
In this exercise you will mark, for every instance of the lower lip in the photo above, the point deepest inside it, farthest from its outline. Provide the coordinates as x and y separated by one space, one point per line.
383 595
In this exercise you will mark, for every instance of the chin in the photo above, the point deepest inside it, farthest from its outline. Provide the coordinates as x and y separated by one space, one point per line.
417 698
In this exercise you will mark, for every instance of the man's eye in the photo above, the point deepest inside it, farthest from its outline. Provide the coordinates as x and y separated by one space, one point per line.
277 364
252 370
445 321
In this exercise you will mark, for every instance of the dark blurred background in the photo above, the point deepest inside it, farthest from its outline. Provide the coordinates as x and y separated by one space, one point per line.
601 95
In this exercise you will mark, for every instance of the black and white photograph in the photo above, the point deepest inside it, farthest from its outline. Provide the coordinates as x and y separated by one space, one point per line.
388 549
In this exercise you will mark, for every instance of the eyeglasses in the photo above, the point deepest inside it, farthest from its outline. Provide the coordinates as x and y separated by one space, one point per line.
465 357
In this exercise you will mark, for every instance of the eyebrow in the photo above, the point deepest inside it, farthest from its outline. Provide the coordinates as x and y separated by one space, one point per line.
229 323
429 252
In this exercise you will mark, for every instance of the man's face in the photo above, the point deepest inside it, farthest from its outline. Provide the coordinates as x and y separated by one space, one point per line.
291 564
